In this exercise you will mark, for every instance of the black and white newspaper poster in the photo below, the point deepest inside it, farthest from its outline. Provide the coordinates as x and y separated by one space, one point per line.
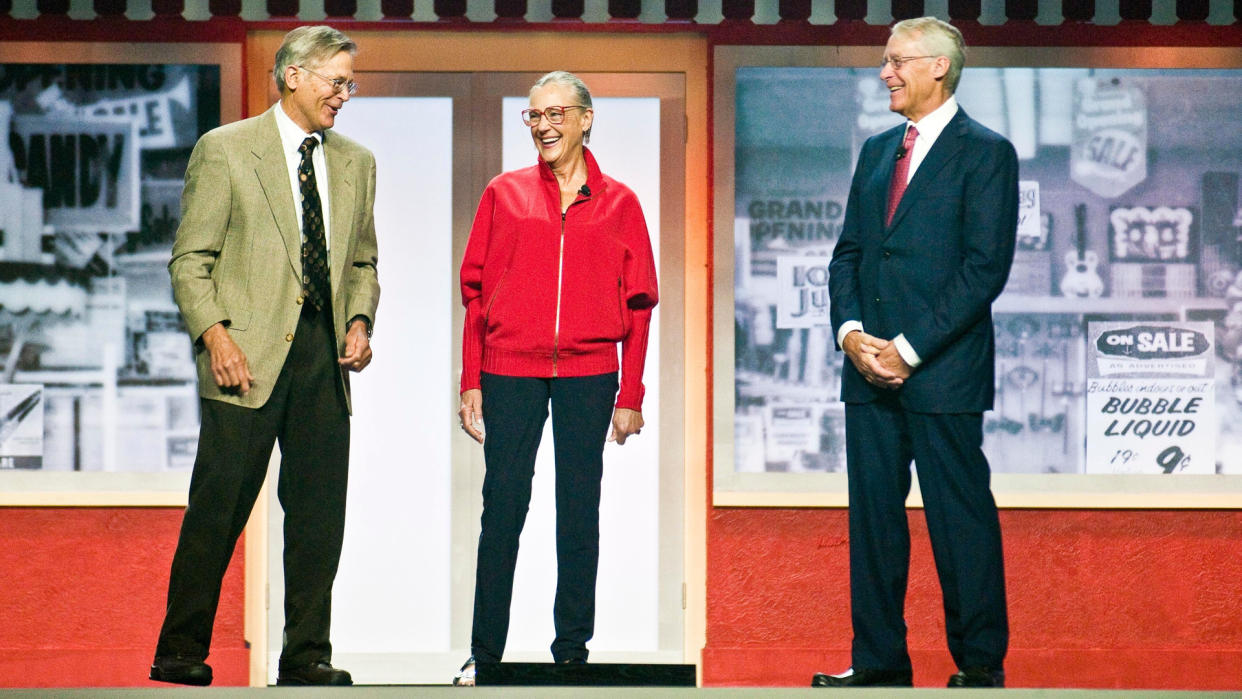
92 161
1128 217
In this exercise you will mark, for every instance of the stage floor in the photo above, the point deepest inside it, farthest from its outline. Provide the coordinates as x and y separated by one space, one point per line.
443 692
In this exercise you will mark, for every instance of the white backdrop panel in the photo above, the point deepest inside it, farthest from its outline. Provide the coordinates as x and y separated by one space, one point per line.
392 591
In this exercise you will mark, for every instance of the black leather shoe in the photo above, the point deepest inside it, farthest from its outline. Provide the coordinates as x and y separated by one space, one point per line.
865 678
314 674
181 671
978 677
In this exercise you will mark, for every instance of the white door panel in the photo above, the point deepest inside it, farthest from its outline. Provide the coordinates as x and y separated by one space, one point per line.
400 604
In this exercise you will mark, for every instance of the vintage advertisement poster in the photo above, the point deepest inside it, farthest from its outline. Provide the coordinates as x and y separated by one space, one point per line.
1125 238
1151 400
92 160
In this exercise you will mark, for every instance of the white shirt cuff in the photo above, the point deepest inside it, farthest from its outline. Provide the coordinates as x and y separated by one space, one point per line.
906 351
847 327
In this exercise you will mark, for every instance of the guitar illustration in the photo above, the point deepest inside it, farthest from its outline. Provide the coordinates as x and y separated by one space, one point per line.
1081 279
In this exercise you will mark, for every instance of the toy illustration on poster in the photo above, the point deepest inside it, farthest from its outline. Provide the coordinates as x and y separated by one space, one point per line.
1139 248
91 162
1081 278
1154 251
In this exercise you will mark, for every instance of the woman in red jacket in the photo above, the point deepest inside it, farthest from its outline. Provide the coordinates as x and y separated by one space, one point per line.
558 270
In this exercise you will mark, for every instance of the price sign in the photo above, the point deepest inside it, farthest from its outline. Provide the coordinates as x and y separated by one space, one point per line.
1108 154
1151 403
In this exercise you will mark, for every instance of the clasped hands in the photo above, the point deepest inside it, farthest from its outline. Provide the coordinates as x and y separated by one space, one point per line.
876 359
625 422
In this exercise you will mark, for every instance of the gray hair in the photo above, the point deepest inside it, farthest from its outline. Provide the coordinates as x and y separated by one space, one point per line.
310 46
938 38
575 84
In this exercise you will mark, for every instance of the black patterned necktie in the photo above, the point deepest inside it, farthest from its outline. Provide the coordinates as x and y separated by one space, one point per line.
315 284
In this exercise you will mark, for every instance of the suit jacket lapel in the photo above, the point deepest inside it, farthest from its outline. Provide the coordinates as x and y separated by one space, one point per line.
273 174
341 190
942 152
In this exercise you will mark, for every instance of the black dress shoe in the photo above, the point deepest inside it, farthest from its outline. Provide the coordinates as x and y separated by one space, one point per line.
314 674
181 671
978 677
865 678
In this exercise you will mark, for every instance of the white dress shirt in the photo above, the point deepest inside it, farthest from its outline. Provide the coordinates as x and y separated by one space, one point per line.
291 137
929 128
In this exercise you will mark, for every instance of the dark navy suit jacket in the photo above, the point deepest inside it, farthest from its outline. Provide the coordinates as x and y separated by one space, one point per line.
933 273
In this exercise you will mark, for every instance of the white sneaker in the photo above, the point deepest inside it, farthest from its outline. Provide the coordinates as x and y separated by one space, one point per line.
465 676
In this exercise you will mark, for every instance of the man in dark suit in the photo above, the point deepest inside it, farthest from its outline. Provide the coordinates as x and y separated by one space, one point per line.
926 247
273 269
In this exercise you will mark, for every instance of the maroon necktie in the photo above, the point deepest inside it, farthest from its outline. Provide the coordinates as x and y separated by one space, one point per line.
901 173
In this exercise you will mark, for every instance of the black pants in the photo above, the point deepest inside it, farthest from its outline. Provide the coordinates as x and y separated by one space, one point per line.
514 410
307 414
954 478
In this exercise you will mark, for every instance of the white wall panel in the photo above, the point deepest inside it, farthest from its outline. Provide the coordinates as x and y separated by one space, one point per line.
392 591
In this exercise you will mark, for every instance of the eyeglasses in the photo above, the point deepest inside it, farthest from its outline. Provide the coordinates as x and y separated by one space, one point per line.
338 84
899 61
555 115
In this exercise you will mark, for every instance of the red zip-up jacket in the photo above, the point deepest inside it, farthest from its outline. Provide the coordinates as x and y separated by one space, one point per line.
551 295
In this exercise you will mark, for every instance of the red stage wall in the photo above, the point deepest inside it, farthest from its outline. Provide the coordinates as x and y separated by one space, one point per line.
1101 599
1149 599
82 593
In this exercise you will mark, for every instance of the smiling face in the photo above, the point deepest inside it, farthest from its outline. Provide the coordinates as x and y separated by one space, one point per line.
559 144
310 101
918 87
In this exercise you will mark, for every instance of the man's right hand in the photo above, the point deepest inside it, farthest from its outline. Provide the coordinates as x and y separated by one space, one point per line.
862 349
228 362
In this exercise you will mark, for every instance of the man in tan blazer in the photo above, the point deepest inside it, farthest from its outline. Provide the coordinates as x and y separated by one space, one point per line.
274 272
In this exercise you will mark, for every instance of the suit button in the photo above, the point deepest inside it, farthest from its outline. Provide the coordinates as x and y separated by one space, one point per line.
288 337
300 300
887 254
877 299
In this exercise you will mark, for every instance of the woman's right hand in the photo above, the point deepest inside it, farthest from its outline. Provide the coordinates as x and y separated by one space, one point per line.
471 413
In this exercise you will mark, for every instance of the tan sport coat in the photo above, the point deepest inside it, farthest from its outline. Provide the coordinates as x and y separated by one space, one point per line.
237 257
